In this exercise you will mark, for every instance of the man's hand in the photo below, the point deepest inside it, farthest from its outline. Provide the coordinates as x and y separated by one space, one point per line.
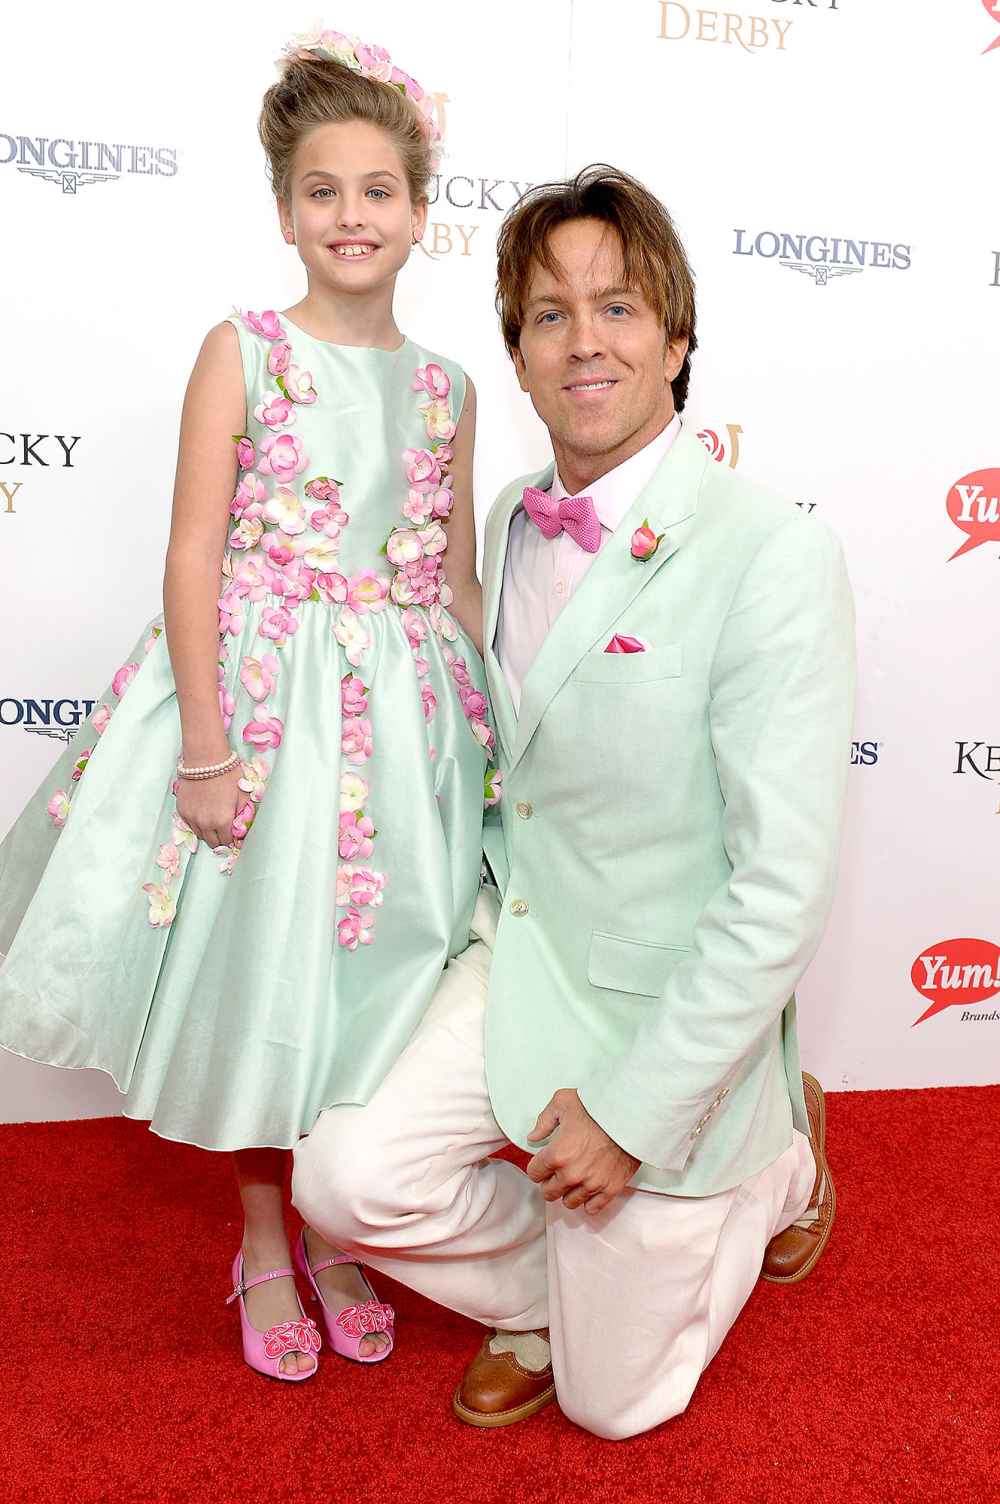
582 1166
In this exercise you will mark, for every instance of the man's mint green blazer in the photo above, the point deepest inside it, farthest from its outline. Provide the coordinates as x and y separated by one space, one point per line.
666 843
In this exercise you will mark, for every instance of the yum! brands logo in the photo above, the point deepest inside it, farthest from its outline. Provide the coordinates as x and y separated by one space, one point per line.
974 507
992 8
717 447
957 972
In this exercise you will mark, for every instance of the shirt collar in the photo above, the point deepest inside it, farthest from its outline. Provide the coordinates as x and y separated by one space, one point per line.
614 493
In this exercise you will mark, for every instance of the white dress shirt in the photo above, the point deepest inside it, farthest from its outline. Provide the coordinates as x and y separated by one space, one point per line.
541 574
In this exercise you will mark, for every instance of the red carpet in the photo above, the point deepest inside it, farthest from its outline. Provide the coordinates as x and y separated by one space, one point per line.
877 1379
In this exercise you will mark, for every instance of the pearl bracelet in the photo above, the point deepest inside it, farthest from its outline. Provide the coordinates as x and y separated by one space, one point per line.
212 770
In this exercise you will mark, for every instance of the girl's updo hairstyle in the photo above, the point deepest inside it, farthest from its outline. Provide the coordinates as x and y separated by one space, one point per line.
314 91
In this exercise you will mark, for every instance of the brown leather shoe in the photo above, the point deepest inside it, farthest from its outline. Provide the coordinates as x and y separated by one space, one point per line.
794 1253
497 1391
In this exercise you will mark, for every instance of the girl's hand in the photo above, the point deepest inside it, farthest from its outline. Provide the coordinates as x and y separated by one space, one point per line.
209 806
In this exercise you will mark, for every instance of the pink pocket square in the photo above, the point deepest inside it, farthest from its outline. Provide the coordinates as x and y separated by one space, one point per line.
620 644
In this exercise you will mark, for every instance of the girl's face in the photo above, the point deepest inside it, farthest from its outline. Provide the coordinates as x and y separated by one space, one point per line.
349 207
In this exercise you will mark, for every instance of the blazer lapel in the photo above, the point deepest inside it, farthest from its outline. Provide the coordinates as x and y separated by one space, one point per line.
613 581
494 559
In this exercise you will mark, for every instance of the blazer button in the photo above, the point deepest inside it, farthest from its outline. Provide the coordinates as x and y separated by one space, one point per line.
524 809
518 906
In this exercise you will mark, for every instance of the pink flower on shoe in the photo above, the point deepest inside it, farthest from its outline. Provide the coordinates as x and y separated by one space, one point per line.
282 456
265 732
123 678
432 379
291 1337
266 324
58 807
354 930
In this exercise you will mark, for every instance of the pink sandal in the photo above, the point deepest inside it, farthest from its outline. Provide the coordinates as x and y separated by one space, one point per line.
348 1328
263 1351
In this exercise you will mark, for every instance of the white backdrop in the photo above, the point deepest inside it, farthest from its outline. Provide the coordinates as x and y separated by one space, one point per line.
827 162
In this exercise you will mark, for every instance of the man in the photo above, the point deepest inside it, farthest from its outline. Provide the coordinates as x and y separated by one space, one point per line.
670 659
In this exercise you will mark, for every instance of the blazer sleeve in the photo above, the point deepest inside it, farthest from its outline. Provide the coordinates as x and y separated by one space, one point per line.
781 713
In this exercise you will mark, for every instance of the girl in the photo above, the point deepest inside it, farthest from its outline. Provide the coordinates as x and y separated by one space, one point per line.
247 934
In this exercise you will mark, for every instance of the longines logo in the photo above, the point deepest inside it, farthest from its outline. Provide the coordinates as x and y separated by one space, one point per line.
33 449
958 972
57 718
992 8
821 256
716 445
974 507
77 164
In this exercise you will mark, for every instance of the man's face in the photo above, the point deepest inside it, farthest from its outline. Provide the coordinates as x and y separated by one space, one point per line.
594 356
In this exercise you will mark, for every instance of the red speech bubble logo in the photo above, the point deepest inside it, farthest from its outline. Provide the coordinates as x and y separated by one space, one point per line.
974 507
992 8
956 971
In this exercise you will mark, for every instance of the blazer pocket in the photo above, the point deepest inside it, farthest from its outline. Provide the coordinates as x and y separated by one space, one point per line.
630 668
640 966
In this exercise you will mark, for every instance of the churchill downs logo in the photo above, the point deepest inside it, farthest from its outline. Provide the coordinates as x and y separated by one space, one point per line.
974 507
77 164
45 449
957 973
821 256
56 718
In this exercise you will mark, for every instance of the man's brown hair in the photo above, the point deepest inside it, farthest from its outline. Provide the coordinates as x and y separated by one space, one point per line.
654 258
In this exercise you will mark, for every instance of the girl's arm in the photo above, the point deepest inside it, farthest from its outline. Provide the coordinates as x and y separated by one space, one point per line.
460 569
214 410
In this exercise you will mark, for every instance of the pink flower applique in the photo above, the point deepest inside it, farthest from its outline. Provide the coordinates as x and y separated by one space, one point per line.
355 929
282 455
322 553
155 633
324 489
253 777
430 702
375 61
353 695
162 906
227 705
297 386
404 546
259 675
286 512
422 469
58 807
330 520
266 731
291 1337
231 613
250 493
367 591
278 624
183 836
421 665
433 380
80 766
645 542
246 534
169 860
278 358
442 625
353 792
246 454
351 635
356 741
361 886
415 628
331 588
492 787
276 411
123 678
243 819
437 417
266 324
356 835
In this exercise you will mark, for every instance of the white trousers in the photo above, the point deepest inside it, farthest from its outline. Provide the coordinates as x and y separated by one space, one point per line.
637 1298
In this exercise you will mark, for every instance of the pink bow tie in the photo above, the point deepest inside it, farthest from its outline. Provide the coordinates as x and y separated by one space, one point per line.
576 516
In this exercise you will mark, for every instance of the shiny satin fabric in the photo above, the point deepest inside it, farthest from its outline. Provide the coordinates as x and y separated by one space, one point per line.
230 1005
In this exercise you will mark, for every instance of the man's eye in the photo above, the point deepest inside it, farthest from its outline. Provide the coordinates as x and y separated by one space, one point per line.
548 317
618 308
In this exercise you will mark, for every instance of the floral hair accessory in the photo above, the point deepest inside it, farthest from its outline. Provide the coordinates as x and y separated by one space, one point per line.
645 542
371 62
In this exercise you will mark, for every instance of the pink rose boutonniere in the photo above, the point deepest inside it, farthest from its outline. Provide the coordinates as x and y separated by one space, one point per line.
645 542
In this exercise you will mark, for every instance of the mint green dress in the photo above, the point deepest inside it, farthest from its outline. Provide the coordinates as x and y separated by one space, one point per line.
233 995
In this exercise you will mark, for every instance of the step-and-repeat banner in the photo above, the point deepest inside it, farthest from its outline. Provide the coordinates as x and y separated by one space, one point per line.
829 165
